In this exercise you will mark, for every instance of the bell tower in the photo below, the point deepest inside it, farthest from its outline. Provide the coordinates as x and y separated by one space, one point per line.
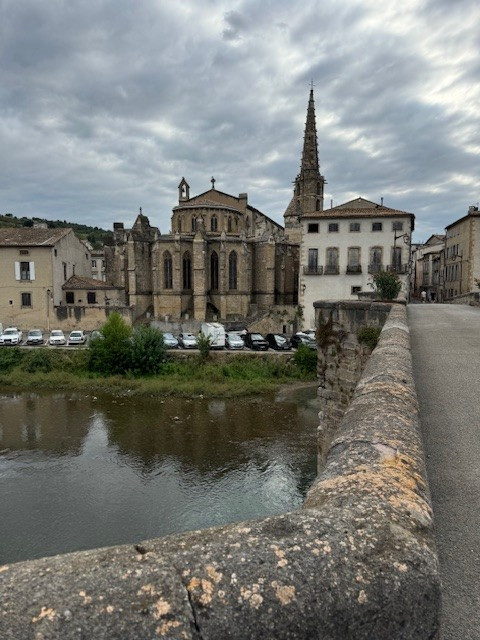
183 191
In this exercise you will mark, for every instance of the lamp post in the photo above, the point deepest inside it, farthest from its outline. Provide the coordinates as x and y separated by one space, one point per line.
406 240
48 310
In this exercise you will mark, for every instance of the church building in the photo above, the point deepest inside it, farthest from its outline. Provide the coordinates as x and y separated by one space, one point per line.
223 259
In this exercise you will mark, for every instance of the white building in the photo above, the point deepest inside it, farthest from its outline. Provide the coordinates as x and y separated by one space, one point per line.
342 247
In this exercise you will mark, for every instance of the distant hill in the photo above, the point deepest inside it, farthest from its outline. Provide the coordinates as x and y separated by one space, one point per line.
94 235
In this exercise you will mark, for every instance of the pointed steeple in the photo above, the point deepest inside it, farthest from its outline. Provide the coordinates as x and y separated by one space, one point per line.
309 183
310 148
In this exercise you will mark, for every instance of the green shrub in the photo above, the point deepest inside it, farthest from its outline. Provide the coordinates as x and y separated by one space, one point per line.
148 351
387 284
369 336
204 344
10 357
112 354
305 359
37 360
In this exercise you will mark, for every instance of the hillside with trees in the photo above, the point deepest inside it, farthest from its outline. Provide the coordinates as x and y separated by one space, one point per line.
95 236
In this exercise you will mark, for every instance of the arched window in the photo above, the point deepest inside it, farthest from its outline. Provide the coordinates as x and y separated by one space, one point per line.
232 270
214 271
318 205
193 223
213 223
167 271
318 189
187 271
179 225
229 224
297 189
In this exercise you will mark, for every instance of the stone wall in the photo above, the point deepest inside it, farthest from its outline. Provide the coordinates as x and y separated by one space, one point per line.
342 356
87 318
358 562
472 298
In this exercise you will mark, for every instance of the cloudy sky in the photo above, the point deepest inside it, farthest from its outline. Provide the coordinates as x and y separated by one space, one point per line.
106 104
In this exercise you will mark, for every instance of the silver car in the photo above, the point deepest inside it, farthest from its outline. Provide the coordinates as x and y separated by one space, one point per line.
187 341
170 341
234 341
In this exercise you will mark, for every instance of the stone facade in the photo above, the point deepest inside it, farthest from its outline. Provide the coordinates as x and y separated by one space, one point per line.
223 259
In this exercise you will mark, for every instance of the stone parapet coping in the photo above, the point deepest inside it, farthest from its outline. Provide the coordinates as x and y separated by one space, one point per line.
357 562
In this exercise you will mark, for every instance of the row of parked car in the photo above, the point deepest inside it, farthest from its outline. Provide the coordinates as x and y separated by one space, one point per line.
237 340
233 340
13 336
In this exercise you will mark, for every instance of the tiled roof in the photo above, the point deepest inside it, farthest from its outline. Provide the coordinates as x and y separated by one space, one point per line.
359 208
30 237
81 282
198 204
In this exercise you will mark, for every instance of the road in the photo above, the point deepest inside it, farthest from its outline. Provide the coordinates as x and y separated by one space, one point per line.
446 362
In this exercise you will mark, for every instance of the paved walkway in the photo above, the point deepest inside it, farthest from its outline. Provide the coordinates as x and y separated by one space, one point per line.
446 361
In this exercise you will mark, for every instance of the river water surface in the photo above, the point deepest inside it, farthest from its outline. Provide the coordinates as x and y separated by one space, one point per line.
79 471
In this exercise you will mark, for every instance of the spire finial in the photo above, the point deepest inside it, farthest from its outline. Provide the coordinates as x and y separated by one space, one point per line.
140 210
213 182
311 85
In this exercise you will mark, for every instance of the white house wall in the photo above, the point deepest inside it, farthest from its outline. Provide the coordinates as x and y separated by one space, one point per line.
338 287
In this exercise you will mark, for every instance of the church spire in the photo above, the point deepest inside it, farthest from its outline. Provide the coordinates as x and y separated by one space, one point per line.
309 183
310 149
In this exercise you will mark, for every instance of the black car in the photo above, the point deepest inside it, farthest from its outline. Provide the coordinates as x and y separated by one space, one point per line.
278 342
256 341
302 338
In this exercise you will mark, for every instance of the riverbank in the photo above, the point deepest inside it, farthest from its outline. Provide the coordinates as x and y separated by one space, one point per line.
190 377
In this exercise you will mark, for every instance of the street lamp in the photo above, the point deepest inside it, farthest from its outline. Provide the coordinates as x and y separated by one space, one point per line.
406 240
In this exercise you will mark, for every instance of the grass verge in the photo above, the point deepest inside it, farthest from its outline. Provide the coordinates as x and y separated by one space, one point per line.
241 376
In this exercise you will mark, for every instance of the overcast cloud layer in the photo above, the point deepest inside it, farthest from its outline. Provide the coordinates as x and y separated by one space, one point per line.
106 104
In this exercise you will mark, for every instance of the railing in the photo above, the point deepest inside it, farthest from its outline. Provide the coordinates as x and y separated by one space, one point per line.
397 268
312 270
354 268
375 268
331 269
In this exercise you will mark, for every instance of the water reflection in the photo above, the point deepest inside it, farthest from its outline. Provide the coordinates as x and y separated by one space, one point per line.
78 472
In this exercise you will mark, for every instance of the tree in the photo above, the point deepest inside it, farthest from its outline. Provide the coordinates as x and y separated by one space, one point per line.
387 284
148 351
111 353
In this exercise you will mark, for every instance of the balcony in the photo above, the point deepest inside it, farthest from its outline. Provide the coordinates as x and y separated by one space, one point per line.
354 268
331 269
375 268
397 268
312 270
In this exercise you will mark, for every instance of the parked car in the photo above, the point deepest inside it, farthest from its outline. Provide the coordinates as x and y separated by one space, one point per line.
170 341
187 341
77 337
35 336
96 335
56 337
256 341
216 332
302 338
278 342
234 341
11 336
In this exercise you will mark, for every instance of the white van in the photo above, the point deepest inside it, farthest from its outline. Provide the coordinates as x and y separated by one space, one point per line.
216 332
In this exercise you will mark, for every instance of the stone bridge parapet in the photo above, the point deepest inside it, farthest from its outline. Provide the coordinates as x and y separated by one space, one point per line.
358 561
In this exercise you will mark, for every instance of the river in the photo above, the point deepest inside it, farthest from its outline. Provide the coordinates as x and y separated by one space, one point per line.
78 471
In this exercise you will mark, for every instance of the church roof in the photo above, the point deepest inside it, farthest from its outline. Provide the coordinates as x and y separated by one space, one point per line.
360 208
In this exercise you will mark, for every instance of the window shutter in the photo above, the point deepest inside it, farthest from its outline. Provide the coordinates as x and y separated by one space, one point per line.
32 271
17 270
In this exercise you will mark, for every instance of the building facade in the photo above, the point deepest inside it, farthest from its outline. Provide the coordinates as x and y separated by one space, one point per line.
223 259
34 264
462 255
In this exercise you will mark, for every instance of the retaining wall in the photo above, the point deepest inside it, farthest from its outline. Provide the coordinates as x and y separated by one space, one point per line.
357 562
